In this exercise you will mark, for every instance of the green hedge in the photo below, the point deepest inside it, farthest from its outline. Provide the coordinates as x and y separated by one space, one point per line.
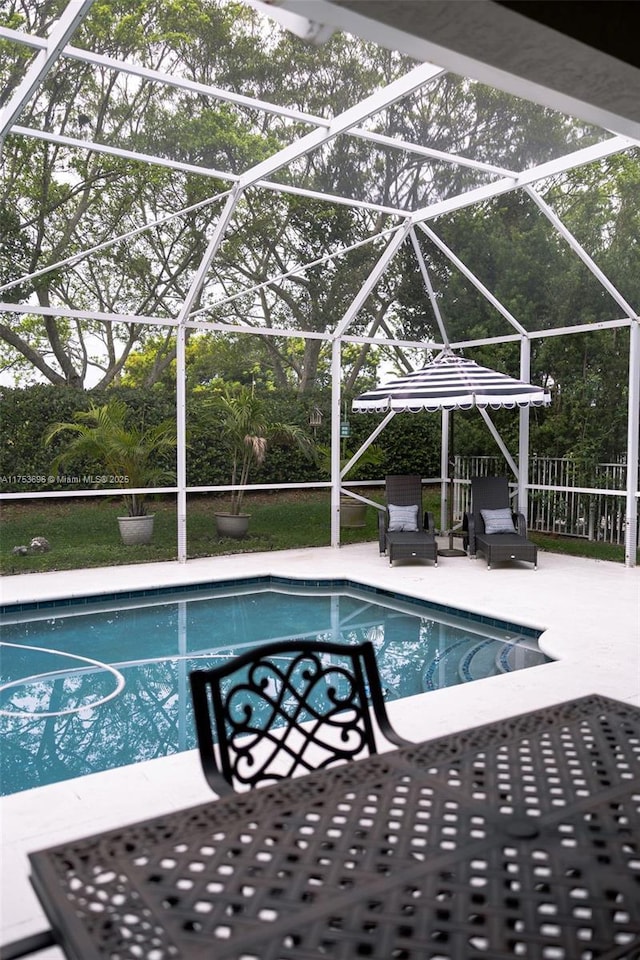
411 443
28 412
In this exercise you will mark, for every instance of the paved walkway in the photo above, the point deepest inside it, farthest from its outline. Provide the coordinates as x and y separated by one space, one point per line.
589 611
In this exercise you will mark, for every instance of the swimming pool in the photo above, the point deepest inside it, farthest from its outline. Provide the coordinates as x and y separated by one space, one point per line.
100 682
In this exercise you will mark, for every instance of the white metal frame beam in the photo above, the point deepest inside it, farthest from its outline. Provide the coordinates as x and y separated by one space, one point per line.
426 279
72 16
371 105
253 103
633 441
570 161
107 244
541 171
538 334
577 158
579 250
296 271
385 97
182 167
207 325
336 385
466 272
365 290
181 342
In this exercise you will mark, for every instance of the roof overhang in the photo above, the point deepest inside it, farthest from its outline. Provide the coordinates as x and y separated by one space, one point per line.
582 64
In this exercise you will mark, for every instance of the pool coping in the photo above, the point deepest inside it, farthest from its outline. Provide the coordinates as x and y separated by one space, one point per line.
267 580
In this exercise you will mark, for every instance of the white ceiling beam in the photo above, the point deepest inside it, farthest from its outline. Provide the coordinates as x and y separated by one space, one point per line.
332 198
92 146
581 328
409 147
217 237
483 341
538 334
39 311
199 325
159 76
106 244
369 284
577 158
493 430
73 15
587 155
129 154
206 325
429 287
542 171
392 342
26 39
344 124
181 166
393 92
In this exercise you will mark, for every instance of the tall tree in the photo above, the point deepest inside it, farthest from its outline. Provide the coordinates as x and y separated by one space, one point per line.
57 201
71 200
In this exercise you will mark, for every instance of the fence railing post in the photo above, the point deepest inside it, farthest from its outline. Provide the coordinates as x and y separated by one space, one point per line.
556 508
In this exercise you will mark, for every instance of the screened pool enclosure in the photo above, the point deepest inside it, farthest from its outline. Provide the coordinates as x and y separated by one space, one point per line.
305 155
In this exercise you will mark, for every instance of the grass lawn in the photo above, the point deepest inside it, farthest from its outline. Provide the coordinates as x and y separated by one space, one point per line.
84 533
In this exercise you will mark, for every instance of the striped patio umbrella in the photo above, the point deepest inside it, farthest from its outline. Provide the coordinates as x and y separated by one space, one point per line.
451 383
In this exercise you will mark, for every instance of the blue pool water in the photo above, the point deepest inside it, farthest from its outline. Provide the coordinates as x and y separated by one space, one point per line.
94 684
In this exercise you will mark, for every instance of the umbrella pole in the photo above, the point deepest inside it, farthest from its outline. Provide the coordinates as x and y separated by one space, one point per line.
450 551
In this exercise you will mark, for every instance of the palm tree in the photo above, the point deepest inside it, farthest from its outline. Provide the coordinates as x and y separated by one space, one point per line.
133 455
247 433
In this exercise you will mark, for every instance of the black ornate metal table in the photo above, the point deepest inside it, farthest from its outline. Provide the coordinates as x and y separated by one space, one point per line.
516 839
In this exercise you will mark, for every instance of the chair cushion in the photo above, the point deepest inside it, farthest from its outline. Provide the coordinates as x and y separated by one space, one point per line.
498 521
403 518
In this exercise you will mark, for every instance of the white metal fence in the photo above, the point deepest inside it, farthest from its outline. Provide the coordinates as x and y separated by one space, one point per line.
594 516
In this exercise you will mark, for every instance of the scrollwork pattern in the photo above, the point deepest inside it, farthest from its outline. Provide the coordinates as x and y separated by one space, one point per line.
293 715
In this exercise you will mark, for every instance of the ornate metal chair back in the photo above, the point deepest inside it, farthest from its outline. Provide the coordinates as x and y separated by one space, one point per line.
287 708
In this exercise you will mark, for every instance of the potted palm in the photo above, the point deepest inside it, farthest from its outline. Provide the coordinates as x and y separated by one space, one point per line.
129 456
247 432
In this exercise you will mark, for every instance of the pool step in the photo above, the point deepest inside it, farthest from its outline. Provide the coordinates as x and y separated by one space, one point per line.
520 653
452 665
480 661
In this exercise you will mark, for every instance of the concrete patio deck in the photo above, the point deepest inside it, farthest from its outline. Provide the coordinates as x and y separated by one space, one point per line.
589 611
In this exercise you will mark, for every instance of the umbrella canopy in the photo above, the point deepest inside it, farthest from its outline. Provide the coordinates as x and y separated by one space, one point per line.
451 383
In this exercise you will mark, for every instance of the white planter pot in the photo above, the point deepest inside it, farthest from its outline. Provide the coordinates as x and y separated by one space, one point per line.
232 524
135 530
